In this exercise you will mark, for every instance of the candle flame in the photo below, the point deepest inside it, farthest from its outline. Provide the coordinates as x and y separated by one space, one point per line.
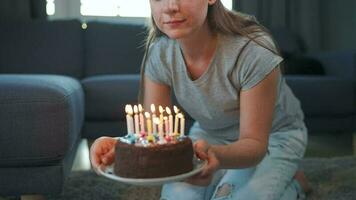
176 110
135 109
161 110
153 108
147 115
180 115
165 118
128 109
140 109
168 110
156 120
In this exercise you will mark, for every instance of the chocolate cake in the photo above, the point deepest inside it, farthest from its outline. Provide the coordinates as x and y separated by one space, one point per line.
153 160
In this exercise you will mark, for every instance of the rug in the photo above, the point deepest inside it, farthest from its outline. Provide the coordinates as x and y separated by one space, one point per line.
330 178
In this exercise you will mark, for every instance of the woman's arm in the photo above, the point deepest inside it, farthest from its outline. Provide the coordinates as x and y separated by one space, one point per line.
257 107
156 93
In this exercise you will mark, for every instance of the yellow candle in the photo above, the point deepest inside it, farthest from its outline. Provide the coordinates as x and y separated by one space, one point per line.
149 123
176 111
129 119
170 121
142 120
161 111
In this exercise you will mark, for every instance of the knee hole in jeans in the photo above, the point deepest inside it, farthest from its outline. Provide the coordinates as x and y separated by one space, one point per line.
223 190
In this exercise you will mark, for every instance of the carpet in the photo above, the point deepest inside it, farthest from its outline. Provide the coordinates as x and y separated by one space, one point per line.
330 178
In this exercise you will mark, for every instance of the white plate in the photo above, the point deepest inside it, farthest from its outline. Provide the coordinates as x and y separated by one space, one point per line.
108 173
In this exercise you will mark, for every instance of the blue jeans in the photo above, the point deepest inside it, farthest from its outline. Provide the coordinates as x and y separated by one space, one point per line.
271 179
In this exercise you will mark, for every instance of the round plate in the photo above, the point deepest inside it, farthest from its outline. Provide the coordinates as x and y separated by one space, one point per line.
108 172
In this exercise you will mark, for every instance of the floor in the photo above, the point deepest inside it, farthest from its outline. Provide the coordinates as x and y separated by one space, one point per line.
319 145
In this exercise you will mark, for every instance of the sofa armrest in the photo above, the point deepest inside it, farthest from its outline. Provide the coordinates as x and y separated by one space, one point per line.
323 95
40 118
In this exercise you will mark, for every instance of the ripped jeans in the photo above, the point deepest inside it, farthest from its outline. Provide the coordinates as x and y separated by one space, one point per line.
271 179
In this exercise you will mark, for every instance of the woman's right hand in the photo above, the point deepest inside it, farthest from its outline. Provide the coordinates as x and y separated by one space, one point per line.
102 152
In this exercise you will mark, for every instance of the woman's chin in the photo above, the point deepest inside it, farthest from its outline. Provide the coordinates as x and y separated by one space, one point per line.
176 34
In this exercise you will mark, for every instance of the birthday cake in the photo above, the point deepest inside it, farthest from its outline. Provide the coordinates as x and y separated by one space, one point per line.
153 149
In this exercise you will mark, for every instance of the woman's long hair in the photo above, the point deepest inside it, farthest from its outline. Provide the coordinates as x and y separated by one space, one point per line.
220 20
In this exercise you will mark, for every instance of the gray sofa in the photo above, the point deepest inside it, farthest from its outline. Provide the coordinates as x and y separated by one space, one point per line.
60 83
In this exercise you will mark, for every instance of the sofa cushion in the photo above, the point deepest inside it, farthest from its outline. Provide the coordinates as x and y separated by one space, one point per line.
41 47
107 95
113 48
40 119
302 65
323 96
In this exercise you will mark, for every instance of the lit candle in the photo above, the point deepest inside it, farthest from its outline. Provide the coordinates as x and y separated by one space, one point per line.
161 111
176 111
142 120
160 128
153 111
166 126
149 123
154 124
137 123
182 124
129 119
170 121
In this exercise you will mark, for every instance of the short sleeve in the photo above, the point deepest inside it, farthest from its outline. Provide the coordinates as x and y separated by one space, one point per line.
256 62
156 66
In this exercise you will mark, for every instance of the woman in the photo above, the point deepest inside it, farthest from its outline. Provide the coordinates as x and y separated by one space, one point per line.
224 69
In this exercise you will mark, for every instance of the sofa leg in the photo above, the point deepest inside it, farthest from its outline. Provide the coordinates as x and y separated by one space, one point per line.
32 197
81 161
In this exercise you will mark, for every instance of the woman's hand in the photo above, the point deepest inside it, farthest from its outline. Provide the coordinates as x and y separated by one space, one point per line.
205 152
102 152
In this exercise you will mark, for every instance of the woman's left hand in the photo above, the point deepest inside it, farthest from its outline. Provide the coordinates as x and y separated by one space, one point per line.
205 152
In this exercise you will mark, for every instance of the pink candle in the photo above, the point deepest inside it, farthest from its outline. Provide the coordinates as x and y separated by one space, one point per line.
170 121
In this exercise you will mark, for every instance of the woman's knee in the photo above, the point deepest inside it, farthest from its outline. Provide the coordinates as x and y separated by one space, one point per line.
224 192
182 190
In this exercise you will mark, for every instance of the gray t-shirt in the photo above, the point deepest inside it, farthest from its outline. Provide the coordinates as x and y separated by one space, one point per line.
213 99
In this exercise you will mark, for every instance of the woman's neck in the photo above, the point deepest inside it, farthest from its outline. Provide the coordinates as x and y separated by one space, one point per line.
200 45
